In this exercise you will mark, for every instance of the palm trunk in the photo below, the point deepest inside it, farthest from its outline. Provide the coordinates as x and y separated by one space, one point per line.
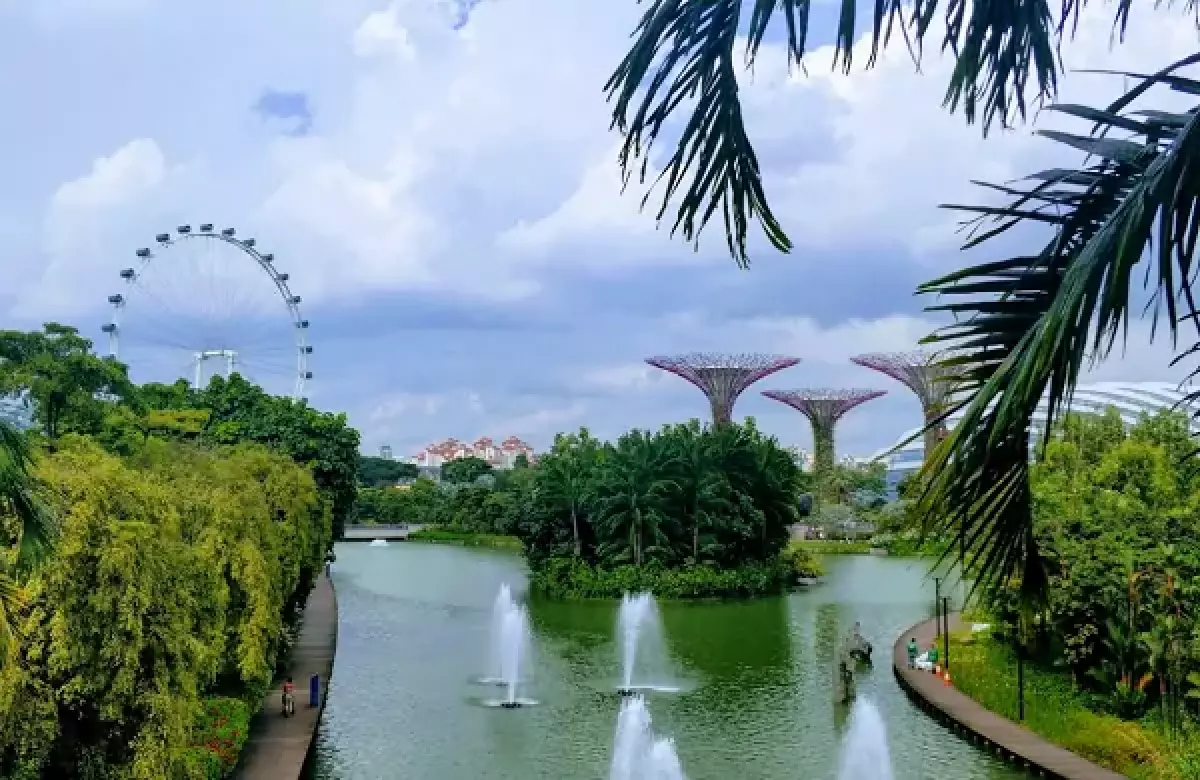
637 536
696 538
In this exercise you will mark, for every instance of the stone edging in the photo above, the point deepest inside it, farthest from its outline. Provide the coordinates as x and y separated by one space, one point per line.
981 726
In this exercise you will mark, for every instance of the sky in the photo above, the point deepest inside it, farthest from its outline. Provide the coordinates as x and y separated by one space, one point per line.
439 181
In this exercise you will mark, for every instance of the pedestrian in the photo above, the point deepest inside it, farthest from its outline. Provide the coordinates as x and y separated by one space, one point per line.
912 653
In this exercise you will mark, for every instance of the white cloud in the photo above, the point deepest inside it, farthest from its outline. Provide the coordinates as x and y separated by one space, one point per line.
397 405
621 378
129 172
381 34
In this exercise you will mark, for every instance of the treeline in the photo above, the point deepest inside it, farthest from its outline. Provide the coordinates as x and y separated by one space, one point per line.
1118 528
75 391
178 534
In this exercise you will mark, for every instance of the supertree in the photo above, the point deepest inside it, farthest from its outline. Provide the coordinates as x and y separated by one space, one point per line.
924 374
823 407
722 377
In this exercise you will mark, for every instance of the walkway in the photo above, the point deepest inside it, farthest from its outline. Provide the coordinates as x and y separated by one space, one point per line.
1001 735
278 746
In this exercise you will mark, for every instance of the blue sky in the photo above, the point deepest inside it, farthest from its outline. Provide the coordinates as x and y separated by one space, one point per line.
439 181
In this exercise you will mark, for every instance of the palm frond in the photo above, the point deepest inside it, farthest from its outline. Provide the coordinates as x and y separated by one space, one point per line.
682 62
1025 326
19 496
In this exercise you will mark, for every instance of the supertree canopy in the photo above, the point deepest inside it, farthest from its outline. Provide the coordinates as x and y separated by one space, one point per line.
924 374
823 407
722 377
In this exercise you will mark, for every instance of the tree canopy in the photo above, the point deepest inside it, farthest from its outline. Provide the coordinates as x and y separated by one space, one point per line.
178 573
377 472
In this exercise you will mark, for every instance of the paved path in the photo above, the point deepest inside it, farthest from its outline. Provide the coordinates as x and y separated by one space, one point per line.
278 746
998 734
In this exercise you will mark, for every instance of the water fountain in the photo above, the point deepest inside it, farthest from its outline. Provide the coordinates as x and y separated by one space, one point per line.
503 604
638 753
865 753
379 543
515 645
639 633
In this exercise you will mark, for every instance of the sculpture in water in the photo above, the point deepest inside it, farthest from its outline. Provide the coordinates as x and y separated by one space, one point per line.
638 753
865 753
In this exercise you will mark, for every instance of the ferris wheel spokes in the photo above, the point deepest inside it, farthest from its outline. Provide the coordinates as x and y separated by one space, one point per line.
217 310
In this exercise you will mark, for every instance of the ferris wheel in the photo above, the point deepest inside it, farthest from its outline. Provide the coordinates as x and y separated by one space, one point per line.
205 302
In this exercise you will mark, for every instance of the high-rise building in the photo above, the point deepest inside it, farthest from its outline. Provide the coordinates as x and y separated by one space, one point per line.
385 452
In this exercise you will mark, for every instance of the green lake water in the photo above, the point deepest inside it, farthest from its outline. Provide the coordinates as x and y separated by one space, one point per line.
758 676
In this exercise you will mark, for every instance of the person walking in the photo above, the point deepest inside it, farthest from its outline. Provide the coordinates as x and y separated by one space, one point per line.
913 650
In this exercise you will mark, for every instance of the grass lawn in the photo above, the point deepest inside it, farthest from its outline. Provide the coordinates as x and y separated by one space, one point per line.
1056 709
833 547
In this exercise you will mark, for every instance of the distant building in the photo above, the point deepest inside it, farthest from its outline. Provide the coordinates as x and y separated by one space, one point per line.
500 456
17 411
385 452
1130 399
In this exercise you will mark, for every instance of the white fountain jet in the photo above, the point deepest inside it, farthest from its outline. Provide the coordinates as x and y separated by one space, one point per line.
865 753
640 644
515 646
504 604
638 753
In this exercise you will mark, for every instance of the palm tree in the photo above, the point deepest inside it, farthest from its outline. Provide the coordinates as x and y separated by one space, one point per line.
1023 326
631 497
565 476
703 489
29 522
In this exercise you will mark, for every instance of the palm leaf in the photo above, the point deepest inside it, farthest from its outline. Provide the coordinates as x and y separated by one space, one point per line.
19 496
1025 326
682 63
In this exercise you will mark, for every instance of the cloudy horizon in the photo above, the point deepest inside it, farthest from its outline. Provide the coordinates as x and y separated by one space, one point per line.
438 179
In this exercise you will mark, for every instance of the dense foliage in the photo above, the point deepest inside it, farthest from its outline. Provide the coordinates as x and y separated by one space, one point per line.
1116 520
381 472
234 410
174 578
465 470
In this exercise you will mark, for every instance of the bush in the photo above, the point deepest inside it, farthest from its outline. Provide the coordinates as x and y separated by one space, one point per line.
566 578
833 547
802 562
465 538
1057 709
221 731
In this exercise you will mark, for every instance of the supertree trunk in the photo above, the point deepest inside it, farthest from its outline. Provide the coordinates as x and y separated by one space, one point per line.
825 491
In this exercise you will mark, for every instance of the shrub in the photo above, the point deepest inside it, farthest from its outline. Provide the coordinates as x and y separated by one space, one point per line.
803 564
465 538
221 731
566 578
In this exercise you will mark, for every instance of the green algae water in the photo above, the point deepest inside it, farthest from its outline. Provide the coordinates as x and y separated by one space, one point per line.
757 677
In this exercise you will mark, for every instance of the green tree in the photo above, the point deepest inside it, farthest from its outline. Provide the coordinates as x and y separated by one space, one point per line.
565 479
235 411
66 381
632 492
28 525
378 472
465 470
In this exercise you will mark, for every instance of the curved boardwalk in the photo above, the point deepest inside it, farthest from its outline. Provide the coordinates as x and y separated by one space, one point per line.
963 714
278 746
